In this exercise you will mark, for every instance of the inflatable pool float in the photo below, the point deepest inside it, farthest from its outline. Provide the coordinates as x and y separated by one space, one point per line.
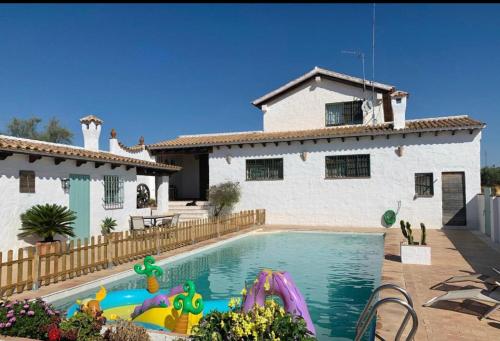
178 309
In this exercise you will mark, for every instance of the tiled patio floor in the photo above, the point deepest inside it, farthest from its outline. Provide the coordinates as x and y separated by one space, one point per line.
453 252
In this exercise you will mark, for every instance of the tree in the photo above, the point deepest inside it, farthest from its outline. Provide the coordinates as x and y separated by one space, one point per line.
490 176
54 132
28 128
47 221
224 196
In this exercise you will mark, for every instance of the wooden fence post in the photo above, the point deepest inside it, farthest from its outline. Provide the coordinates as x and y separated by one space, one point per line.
36 268
158 242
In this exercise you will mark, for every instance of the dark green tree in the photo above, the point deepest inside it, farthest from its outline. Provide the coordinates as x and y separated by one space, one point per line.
490 176
28 128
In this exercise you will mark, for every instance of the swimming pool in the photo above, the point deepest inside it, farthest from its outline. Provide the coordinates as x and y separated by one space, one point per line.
335 272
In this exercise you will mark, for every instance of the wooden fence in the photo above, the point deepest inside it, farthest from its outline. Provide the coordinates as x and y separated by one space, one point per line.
50 263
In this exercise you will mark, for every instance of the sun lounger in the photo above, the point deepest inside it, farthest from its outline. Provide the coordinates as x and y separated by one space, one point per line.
481 295
476 277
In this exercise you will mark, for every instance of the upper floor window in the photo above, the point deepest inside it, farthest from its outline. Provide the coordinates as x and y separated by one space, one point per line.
264 169
424 184
113 191
348 166
343 113
26 181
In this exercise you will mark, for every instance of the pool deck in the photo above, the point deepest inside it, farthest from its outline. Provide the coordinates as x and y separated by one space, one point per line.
453 252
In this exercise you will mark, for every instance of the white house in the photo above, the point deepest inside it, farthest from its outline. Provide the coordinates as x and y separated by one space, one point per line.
93 183
336 150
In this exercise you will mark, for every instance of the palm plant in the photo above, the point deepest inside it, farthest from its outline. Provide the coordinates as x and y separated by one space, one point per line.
108 224
47 221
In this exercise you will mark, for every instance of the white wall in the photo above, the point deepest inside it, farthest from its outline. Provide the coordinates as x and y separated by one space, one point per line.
304 107
306 197
49 190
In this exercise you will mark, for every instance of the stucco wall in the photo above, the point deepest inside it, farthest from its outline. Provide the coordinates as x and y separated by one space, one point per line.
306 197
49 190
304 107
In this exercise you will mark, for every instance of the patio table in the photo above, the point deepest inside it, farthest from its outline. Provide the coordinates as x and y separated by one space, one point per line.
154 218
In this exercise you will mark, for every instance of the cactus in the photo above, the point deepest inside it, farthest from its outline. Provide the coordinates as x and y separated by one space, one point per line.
403 228
409 233
422 238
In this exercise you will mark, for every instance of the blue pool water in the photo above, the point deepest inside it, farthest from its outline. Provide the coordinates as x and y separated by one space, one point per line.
335 272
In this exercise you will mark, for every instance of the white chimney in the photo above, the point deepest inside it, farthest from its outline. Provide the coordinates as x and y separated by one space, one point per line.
91 128
398 103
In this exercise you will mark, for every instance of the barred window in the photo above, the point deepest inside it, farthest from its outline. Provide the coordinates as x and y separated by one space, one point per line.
264 169
343 113
26 181
113 192
424 184
348 166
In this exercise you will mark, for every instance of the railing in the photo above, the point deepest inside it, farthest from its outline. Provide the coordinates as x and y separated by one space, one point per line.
50 263
370 311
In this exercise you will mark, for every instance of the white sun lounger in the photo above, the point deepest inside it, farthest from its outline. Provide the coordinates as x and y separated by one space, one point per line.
476 277
481 295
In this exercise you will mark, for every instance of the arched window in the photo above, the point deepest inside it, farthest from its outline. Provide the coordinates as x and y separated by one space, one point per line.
143 196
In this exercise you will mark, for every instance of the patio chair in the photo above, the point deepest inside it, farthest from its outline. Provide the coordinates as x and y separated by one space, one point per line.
493 281
172 222
137 223
481 295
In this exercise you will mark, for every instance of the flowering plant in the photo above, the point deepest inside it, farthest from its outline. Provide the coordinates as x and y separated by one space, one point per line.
269 322
27 318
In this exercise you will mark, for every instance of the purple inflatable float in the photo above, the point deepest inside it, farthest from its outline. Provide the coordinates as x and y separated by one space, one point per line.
161 300
270 282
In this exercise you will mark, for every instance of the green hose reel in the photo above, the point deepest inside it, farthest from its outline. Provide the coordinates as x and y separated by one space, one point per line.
390 217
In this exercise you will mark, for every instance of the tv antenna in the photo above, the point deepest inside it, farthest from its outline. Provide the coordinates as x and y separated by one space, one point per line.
360 55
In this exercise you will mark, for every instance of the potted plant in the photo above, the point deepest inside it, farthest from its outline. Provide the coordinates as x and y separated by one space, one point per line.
47 221
414 252
108 224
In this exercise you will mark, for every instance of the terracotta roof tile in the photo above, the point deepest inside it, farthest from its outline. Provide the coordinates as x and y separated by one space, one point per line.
422 125
17 145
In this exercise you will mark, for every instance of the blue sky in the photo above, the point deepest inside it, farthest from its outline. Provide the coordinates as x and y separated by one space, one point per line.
165 70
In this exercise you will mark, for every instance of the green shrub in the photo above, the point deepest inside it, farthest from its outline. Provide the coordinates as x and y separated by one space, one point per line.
47 221
29 319
270 322
223 197
108 224
82 327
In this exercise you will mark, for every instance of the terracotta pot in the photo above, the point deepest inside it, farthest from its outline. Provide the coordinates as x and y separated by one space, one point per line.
44 248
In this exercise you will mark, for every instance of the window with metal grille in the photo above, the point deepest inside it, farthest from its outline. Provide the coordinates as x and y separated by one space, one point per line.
26 181
343 113
264 169
348 166
113 192
424 184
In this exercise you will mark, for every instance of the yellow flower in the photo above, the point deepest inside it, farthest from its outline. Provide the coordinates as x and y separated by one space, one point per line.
244 292
267 286
113 316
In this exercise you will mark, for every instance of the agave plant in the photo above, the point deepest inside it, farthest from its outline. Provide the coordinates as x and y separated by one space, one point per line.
108 224
47 221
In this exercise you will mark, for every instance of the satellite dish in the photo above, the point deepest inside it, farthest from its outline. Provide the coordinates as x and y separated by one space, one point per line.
367 106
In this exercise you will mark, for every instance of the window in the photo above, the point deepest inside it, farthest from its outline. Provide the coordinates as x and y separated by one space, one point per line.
343 113
348 166
113 192
265 169
424 185
26 181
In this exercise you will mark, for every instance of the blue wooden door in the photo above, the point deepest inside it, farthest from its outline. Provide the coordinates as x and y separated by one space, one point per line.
79 202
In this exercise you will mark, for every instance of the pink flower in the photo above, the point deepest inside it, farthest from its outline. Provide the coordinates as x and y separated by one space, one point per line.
10 312
31 313
12 320
9 315
22 312
26 306
2 325
8 324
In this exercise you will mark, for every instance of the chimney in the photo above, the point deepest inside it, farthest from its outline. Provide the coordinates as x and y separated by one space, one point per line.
398 103
91 128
